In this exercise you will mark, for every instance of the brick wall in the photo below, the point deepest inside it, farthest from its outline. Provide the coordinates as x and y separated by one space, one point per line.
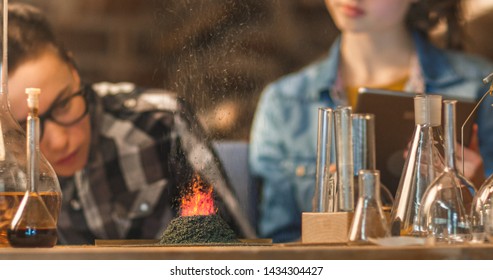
218 54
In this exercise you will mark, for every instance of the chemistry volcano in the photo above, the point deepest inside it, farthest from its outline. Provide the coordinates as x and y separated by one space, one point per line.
198 221
197 230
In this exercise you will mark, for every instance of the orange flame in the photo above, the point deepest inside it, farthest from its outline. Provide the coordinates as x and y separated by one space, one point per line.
200 201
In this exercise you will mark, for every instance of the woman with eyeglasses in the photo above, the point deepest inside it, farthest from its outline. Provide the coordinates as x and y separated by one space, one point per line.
122 158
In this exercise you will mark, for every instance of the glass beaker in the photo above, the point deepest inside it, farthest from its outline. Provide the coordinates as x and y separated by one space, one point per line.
364 154
369 220
442 214
423 163
325 192
13 160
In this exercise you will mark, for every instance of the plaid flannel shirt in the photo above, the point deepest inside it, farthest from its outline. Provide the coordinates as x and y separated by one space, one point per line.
146 146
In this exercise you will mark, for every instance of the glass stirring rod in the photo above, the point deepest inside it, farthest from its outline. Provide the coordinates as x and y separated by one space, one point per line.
488 79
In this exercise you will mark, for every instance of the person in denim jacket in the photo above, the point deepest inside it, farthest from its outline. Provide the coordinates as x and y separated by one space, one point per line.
383 44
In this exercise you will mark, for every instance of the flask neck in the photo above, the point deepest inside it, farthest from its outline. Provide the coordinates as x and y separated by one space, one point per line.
32 151
369 184
449 137
4 59
4 103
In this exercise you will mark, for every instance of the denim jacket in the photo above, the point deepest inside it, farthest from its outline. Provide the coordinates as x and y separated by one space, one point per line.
283 145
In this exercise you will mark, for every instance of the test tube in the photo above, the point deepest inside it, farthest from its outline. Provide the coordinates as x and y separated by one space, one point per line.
323 198
344 162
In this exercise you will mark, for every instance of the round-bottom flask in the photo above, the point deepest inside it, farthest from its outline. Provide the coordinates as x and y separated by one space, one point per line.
442 214
481 212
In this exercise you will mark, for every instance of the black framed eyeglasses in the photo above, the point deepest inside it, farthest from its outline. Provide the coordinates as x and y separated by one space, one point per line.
65 111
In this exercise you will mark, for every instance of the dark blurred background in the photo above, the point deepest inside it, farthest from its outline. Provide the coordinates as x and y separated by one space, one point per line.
217 54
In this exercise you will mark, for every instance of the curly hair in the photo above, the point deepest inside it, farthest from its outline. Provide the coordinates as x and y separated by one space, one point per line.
424 15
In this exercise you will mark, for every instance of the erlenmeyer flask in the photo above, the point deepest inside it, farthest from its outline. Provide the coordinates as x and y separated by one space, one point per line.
423 163
33 225
369 220
442 214
325 192
13 161
481 210
363 128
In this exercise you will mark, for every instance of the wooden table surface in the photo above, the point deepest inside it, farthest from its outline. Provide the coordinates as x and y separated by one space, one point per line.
275 251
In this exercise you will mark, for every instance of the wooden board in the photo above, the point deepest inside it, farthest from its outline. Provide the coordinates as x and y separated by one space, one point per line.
155 243
291 251
323 228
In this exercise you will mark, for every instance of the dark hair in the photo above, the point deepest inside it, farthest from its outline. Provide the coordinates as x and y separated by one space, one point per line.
29 34
424 15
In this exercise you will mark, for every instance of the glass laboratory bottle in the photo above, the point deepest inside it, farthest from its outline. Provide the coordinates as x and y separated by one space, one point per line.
369 220
13 160
33 225
363 128
324 197
442 214
423 163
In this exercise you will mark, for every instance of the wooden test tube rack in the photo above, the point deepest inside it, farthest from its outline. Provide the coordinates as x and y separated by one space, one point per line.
325 227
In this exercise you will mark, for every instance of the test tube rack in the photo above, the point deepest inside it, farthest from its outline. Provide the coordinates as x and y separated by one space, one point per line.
329 228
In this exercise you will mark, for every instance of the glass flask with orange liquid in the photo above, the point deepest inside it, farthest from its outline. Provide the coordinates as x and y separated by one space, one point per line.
33 225
13 159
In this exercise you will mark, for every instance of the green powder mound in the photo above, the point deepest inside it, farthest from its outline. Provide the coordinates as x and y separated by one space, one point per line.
198 229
